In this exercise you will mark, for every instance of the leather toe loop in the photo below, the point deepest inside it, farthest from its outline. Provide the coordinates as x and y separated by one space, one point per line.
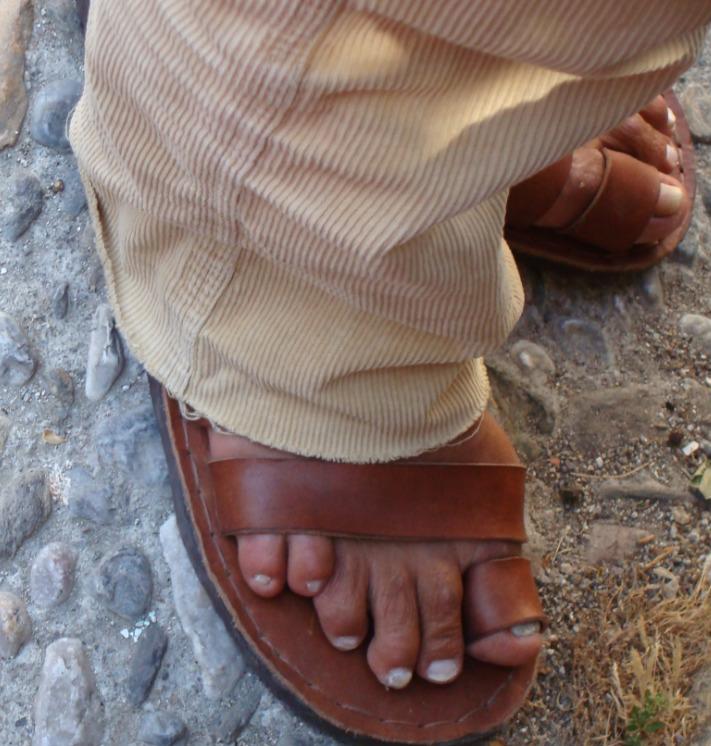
500 594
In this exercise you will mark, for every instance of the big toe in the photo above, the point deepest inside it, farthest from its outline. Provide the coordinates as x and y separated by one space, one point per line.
512 647
671 210
262 560
310 563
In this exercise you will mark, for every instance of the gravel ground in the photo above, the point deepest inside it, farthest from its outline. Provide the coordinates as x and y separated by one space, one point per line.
103 630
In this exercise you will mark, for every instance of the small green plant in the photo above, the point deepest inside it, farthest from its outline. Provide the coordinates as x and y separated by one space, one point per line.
644 720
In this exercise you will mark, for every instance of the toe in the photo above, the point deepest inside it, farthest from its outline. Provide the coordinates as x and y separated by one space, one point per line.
671 210
509 648
310 563
393 652
640 139
659 115
262 560
671 198
342 605
440 604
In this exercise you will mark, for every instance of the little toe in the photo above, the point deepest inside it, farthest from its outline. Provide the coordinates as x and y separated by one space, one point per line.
393 651
262 560
440 603
659 115
512 647
310 563
342 605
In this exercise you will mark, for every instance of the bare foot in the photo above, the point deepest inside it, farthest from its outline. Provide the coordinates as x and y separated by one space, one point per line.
647 136
413 591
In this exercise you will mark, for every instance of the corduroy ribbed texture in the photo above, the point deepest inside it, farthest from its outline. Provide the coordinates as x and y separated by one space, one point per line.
299 205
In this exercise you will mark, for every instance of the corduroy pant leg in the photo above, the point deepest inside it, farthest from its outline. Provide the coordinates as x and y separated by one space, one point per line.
299 204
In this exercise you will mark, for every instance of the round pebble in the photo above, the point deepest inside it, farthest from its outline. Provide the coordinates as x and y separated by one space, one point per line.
124 583
52 575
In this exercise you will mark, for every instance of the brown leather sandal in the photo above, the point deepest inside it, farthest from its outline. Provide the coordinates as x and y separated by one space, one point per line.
602 238
216 501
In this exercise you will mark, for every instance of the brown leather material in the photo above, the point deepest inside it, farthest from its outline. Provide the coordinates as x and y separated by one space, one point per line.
505 594
378 501
560 248
283 638
531 199
623 206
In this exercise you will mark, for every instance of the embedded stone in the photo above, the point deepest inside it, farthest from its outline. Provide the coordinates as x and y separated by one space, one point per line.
216 652
605 417
16 362
60 301
698 328
238 717
697 107
130 441
15 625
50 112
105 360
52 575
650 283
146 661
73 199
161 729
88 498
68 710
609 542
5 427
16 17
584 342
22 204
24 506
525 405
124 583
643 486
532 358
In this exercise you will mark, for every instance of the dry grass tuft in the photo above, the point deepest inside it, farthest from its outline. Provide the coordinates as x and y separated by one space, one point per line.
634 660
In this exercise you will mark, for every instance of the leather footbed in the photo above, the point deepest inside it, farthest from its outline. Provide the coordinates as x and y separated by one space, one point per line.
282 637
557 247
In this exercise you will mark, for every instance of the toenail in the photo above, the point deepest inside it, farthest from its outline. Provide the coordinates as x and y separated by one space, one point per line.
314 586
262 579
669 199
346 643
442 671
398 678
526 630
672 156
671 117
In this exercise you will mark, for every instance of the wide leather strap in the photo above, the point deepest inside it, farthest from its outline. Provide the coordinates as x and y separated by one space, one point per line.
398 500
623 205
531 199
503 593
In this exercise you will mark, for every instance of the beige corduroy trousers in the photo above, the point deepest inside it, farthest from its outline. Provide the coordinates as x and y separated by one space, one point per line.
299 203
